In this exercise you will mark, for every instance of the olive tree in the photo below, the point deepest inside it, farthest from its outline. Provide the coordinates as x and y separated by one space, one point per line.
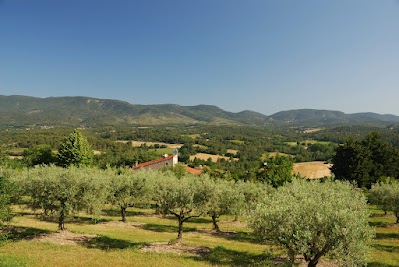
385 195
225 198
63 190
316 219
129 188
6 193
185 198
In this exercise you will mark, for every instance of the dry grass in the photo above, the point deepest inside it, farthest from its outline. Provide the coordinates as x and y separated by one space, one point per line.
205 156
312 170
140 143
143 241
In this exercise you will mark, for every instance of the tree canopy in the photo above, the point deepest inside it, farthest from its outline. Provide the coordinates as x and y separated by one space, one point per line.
75 150
315 219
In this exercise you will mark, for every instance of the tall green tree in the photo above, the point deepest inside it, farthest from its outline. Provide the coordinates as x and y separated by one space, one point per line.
75 150
365 161
277 170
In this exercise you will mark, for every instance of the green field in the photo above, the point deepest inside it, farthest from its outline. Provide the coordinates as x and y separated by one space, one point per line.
113 243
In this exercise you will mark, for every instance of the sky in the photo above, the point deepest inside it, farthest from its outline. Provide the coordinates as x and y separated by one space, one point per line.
260 55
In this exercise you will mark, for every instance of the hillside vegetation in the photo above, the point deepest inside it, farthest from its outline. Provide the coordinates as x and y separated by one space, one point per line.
17 111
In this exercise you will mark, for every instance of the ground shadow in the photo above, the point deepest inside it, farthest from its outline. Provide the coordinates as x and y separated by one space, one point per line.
238 236
107 243
386 235
19 233
386 248
378 264
166 228
222 256
117 213
192 220
379 224
86 220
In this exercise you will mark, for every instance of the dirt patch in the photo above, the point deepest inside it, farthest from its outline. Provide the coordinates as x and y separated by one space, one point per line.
178 248
65 238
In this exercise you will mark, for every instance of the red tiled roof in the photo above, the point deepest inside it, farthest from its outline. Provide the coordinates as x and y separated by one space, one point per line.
144 164
193 171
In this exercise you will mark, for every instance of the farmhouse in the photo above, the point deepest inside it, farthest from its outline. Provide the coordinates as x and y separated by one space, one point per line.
156 164
164 162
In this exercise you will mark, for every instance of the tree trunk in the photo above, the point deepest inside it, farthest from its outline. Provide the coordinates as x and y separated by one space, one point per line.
123 214
397 217
215 224
61 225
313 263
180 233
157 210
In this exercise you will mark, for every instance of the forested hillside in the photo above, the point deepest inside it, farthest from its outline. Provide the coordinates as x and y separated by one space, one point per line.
26 111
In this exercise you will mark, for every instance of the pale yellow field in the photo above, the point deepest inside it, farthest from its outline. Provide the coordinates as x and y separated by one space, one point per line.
139 143
312 170
205 156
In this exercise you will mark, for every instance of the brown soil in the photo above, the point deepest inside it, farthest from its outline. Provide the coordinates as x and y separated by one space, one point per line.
65 238
178 248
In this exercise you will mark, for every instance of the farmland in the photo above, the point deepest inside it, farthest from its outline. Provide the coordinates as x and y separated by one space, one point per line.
312 170
142 241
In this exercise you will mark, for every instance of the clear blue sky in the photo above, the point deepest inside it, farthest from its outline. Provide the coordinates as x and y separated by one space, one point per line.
261 55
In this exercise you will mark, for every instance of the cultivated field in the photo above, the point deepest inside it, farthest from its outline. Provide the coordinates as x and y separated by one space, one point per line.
205 156
143 241
313 169
140 143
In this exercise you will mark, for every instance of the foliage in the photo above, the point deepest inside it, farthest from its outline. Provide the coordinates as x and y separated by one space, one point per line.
316 219
365 161
185 198
128 188
386 196
6 194
225 198
62 190
75 150
277 171
41 154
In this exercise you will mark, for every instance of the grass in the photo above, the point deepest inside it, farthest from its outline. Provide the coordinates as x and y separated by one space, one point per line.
119 244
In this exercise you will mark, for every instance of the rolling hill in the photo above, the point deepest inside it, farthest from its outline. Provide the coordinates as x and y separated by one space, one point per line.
21 111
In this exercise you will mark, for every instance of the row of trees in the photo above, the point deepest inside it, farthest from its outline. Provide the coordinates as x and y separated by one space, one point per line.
308 218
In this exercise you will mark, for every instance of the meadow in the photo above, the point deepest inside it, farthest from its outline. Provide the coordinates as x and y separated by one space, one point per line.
143 241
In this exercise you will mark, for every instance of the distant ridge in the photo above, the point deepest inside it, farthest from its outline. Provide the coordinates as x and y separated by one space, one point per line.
21 111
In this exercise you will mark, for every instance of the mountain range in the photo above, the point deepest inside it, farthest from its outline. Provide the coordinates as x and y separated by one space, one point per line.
21 111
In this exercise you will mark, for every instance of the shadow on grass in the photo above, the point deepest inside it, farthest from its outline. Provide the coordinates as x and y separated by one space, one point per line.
85 220
19 233
238 236
378 224
386 235
191 220
73 219
166 228
222 256
386 248
117 213
107 243
378 264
